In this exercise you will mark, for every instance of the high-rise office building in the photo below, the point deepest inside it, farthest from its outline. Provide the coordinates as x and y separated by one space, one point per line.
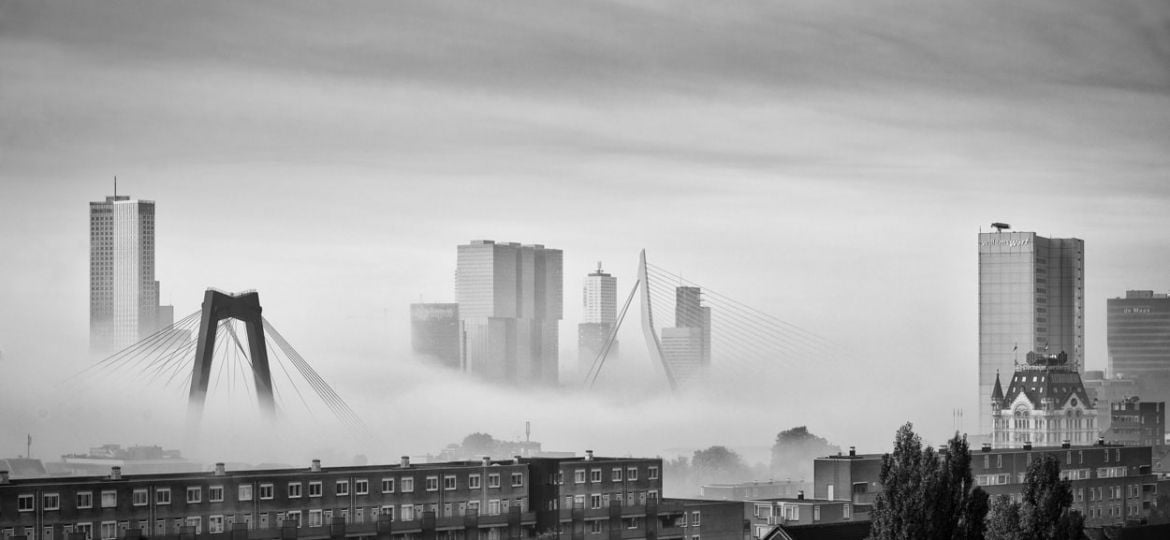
1139 341
123 294
510 303
597 319
434 332
1031 298
687 347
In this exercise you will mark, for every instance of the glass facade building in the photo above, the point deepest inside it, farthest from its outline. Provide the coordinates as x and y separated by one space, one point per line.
1031 298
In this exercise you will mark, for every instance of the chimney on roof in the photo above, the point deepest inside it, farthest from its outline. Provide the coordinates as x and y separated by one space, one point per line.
3 477
487 460
316 466
405 462
1100 441
1027 445
589 455
220 470
1065 443
852 451
800 495
115 473
986 447
516 460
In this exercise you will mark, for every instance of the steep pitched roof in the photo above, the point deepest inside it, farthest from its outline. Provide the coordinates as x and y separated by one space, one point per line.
997 392
1057 383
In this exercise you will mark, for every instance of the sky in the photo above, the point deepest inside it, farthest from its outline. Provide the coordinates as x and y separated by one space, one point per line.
829 163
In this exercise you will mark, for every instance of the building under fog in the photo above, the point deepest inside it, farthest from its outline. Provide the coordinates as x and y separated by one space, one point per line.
599 314
434 333
123 294
686 347
510 306
1031 298
1139 341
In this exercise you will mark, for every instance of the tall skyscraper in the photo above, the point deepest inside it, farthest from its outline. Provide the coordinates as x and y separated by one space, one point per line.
597 320
510 303
434 332
123 294
1031 298
1139 341
687 346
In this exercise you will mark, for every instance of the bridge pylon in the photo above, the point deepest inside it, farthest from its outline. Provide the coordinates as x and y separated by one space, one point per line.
244 307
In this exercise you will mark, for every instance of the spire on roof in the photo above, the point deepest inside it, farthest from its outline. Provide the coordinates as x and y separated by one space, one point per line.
997 391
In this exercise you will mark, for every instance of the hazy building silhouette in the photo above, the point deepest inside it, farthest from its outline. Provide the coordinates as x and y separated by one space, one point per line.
687 347
510 303
434 332
1139 341
599 299
1031 298
123 294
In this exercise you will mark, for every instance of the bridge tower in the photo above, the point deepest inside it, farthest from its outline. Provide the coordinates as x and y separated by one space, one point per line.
244 307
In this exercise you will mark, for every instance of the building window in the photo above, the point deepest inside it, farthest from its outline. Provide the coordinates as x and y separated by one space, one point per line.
595 501
194 494
294 490
109 498
695 519
162 496
139 497
51 501
473 481
652 473
361 487
215 494
245 492
25 503
388 511
494 480
215 524
494 507
449 482
314 489
86 529
816 512
407 512
595 475
653 496
266 492
579 476
109 530
387 485
595 526
616 474
847 511
314 518
341 487
408 485
294 516
85 499
632 473
432 483
517 479
634 523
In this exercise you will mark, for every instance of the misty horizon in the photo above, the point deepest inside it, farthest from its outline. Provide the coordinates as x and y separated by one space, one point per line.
829 165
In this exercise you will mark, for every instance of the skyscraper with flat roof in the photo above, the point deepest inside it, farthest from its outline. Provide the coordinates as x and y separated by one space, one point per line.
599 313
510 303
123 294
1139 341
1031 298
686 347
434 332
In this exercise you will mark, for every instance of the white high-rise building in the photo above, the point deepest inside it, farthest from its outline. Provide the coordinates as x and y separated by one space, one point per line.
123 294
1031 299
597 319
510 303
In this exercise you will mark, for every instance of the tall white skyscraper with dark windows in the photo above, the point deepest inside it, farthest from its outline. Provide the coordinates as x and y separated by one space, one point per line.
1031 299
123 294
599 313
510 300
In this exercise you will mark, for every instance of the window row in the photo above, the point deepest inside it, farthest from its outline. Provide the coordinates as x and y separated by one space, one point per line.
615 474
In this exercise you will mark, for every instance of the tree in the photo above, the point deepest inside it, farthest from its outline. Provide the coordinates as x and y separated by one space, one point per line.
927 494
719 464
1160 513
479 444
794 451
1043 513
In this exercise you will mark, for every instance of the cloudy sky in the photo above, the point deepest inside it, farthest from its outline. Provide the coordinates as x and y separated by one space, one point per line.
828 162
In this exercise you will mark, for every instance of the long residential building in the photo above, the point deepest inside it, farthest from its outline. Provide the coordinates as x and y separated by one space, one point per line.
583 498
1111 484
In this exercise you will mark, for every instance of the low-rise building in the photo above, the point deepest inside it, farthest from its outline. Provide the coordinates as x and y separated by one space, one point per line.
766 514
1137 423
754 490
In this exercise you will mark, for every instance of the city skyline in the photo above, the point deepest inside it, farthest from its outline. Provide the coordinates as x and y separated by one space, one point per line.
828 164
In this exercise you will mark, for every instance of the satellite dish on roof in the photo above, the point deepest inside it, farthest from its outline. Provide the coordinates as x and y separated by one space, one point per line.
999 227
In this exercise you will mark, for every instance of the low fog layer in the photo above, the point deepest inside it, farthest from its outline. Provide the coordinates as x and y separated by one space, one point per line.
828 163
